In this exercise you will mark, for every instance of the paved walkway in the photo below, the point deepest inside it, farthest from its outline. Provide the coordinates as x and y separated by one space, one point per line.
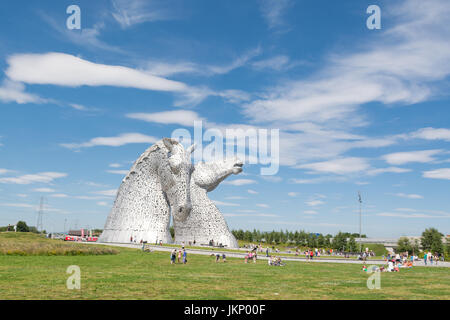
263 256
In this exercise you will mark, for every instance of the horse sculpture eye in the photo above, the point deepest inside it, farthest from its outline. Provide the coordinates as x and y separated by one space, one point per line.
174 164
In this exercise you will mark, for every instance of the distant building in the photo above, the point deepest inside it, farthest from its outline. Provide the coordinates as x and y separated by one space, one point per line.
80 233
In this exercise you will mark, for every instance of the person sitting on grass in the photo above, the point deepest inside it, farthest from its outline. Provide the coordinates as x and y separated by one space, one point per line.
278 262
390 267
396 269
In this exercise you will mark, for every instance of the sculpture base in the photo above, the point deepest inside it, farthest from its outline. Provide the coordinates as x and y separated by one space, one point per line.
124 236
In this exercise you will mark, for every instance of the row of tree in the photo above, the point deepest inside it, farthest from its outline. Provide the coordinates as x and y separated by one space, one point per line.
343 241
21 226
431 240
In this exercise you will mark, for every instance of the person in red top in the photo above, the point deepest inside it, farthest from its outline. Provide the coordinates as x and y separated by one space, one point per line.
311 254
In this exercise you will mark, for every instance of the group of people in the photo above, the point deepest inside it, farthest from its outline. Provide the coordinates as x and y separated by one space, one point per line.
275 261
180 254
393 265
224 257
428 257
251 255
310 253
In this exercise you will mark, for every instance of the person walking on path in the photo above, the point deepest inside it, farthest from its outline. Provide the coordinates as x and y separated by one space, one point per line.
425 258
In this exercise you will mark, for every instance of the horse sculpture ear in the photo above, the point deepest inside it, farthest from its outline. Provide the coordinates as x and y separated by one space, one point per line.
169 143
191 149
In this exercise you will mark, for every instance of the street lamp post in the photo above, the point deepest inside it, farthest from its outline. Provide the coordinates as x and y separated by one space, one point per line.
360 202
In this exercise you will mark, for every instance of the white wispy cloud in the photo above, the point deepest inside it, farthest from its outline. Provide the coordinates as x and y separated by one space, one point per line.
59 195
43 177
318 180
411 215
108 193
252 191
45 190
121 172
117 141
443 173
17 205
272 178
169 68
293 194
273 11
88 36
78 107
237 63
181 117
338 166
408 195
240 182
12 91
432 134
235 198
227 204
276 63
131 12
314 203
399 158
67 70
377 171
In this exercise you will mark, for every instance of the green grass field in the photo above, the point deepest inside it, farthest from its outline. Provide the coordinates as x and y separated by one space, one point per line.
132 274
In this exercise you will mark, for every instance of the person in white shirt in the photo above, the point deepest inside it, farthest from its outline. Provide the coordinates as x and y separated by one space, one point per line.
390 266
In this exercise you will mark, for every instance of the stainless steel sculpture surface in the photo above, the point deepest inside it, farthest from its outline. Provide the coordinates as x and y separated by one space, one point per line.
162 184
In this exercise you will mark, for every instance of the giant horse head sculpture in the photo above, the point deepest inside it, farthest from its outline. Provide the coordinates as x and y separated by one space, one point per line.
157 186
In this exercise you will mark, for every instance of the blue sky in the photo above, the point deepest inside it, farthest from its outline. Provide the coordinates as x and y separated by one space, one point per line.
358 109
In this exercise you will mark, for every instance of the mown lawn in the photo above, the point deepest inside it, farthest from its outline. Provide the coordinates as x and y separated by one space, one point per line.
133 274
